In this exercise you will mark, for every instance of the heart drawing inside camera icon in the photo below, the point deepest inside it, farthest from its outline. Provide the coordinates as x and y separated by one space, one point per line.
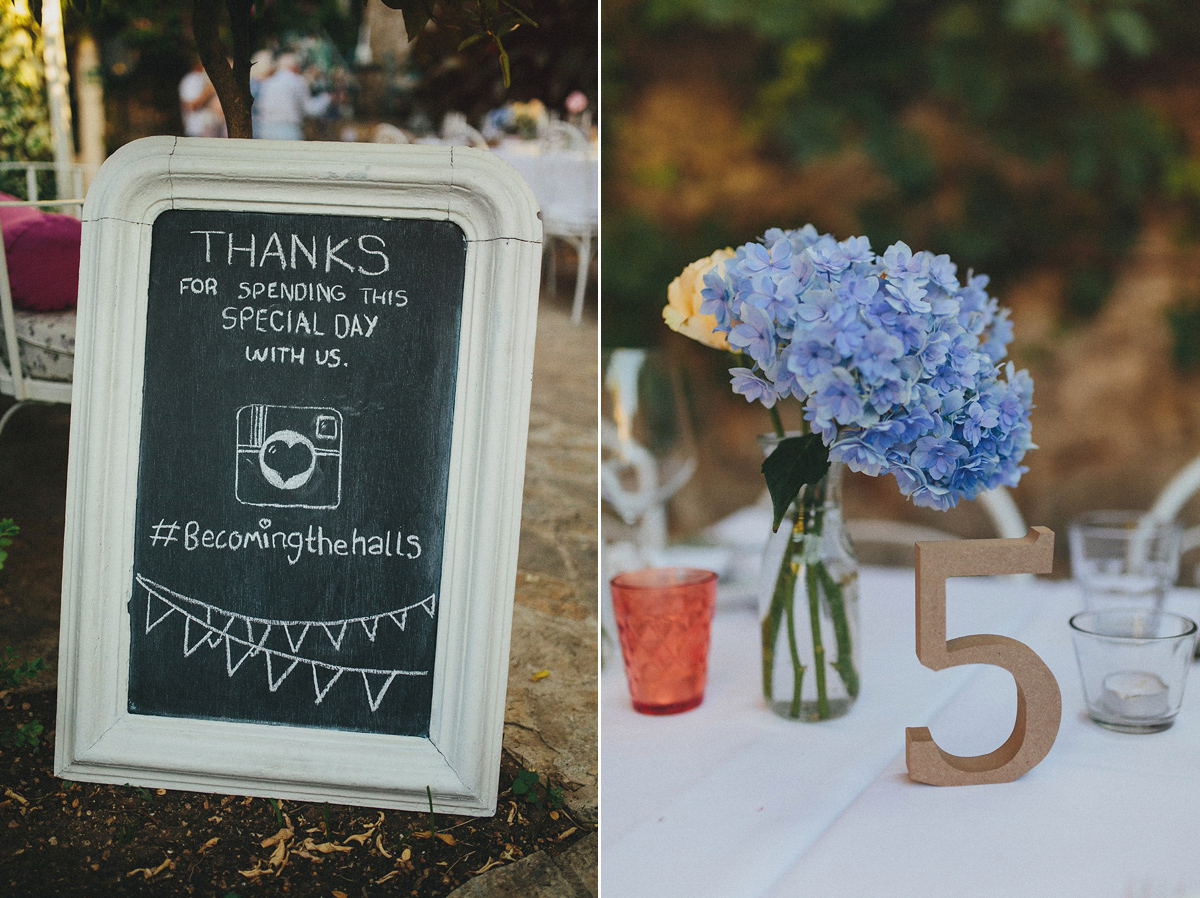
289 456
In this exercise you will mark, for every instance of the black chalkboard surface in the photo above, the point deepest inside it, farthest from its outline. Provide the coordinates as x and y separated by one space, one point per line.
291 495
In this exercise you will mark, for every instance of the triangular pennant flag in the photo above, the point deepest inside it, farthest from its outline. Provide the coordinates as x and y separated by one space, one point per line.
323 690
215 636
272 682
188 646
150 610
374 700
295 643
429 604
337 643
372 628
401 621
251 647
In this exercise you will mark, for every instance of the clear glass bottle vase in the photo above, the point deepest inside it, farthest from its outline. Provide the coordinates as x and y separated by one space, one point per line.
808 606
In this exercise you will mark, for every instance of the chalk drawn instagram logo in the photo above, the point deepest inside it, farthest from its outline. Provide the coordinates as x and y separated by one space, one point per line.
289 456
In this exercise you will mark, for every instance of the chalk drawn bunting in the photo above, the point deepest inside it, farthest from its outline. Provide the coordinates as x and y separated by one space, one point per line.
297 417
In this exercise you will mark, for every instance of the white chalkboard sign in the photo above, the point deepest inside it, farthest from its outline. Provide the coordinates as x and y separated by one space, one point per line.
300 411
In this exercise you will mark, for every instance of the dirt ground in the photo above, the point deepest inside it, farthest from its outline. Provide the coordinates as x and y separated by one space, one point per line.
60 838
63 838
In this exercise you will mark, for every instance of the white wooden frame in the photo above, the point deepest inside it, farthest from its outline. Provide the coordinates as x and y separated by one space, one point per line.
98 739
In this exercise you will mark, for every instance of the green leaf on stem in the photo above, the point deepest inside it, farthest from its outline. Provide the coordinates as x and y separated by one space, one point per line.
796 462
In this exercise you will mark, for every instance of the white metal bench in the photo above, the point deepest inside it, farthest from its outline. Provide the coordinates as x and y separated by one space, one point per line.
37 349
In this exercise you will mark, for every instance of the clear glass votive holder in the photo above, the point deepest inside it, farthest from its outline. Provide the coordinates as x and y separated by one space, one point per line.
1123 559
1134 664
664 622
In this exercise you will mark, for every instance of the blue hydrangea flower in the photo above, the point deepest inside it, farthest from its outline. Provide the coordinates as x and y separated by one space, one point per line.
899 366
746 383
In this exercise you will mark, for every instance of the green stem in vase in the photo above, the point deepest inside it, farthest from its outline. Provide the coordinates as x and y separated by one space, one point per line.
844 664
777 422
814 501
794 650
781 599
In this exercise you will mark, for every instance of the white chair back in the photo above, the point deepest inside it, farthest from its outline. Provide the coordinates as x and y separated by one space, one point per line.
16 378
1170 502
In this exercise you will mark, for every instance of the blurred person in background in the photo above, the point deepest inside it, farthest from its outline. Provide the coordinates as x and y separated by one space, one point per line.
285 100
202 116
262 65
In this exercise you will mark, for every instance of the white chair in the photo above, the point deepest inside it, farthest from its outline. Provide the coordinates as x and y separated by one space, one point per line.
456 130
564 136
38 347
571 212
897 537
388 133
1171 500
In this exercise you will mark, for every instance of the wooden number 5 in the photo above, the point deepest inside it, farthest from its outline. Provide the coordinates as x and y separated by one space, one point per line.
1039 702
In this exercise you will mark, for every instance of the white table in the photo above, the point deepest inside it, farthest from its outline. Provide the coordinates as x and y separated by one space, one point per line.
728 800
566 183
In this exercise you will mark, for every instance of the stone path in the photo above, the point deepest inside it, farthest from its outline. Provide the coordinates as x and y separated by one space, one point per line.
550 722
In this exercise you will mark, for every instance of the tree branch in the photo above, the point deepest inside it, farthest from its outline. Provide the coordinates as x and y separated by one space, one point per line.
232 84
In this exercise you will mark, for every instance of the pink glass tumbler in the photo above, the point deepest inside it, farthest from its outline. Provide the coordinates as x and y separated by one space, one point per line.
664 619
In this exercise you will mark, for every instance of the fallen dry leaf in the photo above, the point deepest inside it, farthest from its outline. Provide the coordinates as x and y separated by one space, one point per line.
363 837
339 894
324 847
150 874
492 862
386 877
279 856
561 836
379 846
209 844
540 675
256 871
447 838
15 797
282 836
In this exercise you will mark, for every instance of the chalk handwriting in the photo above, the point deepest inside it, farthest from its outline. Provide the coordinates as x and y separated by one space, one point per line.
367 256
314 541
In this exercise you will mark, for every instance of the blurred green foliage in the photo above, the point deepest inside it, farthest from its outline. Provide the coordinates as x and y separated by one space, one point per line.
1054 151
24 119
1183 319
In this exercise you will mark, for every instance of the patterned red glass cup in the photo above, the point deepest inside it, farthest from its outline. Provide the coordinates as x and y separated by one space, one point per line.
664 619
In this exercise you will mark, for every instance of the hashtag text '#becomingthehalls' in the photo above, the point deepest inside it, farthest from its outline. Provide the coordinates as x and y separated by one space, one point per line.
296 543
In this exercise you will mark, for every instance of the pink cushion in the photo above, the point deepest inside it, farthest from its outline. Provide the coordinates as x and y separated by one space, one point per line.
11 216
43 257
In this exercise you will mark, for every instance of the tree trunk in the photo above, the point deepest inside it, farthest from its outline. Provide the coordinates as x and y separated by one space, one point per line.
231 82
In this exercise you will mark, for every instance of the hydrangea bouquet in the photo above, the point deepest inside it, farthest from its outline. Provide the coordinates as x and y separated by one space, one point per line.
899 368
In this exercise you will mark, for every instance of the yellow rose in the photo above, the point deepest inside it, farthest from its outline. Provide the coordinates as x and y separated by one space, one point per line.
682 311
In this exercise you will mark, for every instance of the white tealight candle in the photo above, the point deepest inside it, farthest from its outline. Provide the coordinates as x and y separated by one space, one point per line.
1136 694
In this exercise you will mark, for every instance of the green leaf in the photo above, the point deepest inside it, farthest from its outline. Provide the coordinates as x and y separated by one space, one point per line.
416 14
504 64
1131 30
795 463
521 15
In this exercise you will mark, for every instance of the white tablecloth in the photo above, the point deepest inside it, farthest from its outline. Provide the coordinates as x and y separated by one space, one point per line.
564 181
728 800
